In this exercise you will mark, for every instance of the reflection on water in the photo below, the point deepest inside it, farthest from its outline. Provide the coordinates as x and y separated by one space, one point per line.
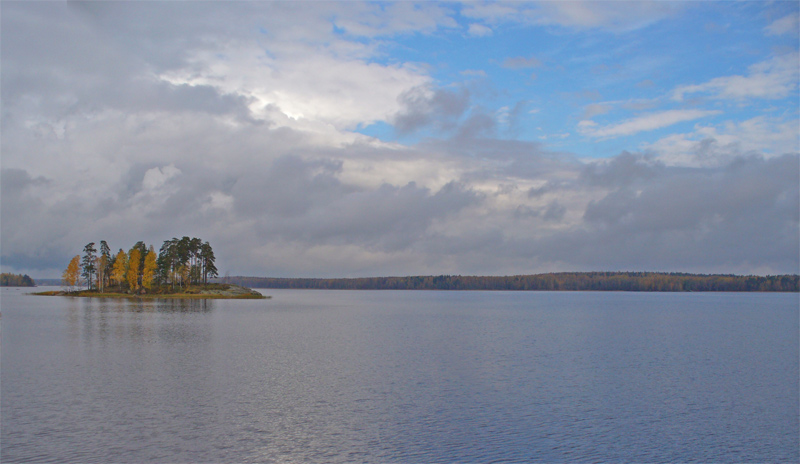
165 305
401 377
138 321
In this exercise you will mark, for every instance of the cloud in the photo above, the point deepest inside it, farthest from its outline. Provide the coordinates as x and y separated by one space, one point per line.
595 109
521 62
499 207
718 145
611 15
479 30
322 79
235 123
310 86
696 216
771 79
374 20
155 178
788 24
422 106
614 16
621 171
643 123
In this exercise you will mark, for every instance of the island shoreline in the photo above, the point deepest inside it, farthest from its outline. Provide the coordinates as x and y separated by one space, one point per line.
231 292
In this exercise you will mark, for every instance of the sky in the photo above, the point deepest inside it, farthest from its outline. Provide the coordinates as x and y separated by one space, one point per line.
347 139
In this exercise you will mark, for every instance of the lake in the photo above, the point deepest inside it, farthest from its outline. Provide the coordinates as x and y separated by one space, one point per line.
401 376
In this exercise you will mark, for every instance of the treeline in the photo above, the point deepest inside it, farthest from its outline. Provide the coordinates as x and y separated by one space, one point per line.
568 281
16 280
179 262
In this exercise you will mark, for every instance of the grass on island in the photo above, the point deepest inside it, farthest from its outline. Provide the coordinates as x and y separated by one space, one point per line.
190 292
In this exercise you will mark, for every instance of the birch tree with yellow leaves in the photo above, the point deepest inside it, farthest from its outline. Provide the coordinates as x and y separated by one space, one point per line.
133 268
72 273
120 268
149 269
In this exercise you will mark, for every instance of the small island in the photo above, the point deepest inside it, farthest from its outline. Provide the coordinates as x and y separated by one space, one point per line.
200 292
181 269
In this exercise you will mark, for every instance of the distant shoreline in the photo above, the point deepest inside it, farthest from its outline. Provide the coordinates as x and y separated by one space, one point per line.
563 281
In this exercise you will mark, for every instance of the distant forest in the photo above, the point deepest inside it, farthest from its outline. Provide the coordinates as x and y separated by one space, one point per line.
16 280
567 281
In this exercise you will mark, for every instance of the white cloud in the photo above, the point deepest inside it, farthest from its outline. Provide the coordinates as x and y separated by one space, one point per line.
615 16
218 201
789 24
474 73
644 123
492 12
611 15
771 79
554 136
155 178
479 30
305 84
717 145
521 62
373 20
595 109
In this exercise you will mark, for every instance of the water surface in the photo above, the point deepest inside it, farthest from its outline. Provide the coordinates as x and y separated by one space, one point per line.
401 376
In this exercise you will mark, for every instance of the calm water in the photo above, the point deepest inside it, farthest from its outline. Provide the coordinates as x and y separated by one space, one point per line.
340 376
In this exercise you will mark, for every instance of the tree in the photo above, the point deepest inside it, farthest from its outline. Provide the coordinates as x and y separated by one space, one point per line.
207 262
149 269
168 261
16 280
101 263
120 268
184 252
88 264
164 261
142 253
105 252
195 246
134 259
183 272
72 273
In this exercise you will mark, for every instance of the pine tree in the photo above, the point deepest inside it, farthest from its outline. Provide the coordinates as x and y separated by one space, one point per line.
207 261
105 252
164 261
88 264
142 253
